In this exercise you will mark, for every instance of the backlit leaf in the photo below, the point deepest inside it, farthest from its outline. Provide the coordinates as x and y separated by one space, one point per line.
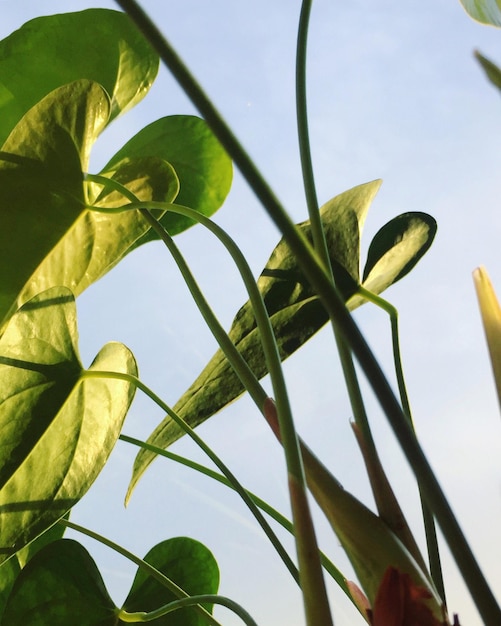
57 425
295 311
61 585
202 165
48 52
41 187
186 562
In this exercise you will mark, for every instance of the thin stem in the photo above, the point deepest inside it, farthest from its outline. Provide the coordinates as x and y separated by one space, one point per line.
428 519
133 380
327 564
306 545
146 567
143 617
315 273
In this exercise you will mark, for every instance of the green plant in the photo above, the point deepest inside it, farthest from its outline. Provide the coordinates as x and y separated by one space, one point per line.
60 420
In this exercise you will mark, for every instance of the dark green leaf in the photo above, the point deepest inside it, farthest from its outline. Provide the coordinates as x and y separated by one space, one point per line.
57 425
186 562
395 250
10 569
60 586
48 52
202 165
295 311
492 71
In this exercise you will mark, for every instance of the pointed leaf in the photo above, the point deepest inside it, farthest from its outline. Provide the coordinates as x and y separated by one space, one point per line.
61 585
295 311
56 424
48 52
491 319
186 562
486 11
41 191
492 71
395 250
97 241
202 165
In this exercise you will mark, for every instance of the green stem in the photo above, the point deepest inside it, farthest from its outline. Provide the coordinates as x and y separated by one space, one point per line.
133 380
327 564
482 594
428 519
146 567
143 617
306 545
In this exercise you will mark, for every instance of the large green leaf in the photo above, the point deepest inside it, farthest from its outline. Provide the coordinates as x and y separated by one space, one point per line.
57 424
61 585
295 311
48 52
186 562
202 165
41 187
485 11
50 231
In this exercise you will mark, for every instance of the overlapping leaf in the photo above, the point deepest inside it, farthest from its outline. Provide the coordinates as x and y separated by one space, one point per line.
295 311
58 427
41 187
61 585
48 233
45 53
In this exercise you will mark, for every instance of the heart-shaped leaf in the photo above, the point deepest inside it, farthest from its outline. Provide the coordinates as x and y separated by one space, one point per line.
41 173
485 11
186 562
61 585
295 311
98 44
41 187
57 424
199 160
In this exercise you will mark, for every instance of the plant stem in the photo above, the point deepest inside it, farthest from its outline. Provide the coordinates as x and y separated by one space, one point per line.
133 380
327 564
428 519
142 617
146 567
315 273
310 570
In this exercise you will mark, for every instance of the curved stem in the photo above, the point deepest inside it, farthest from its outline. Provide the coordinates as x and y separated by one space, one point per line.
133 380
143 617
428 519
315 273
146 567
327 564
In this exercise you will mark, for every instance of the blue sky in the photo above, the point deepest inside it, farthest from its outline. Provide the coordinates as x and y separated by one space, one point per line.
394 94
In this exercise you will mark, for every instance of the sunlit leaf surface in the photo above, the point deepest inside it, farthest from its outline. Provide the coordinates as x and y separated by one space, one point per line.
295 311
58 427
48 52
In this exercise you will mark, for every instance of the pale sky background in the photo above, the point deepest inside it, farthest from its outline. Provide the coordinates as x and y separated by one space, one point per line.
394 93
